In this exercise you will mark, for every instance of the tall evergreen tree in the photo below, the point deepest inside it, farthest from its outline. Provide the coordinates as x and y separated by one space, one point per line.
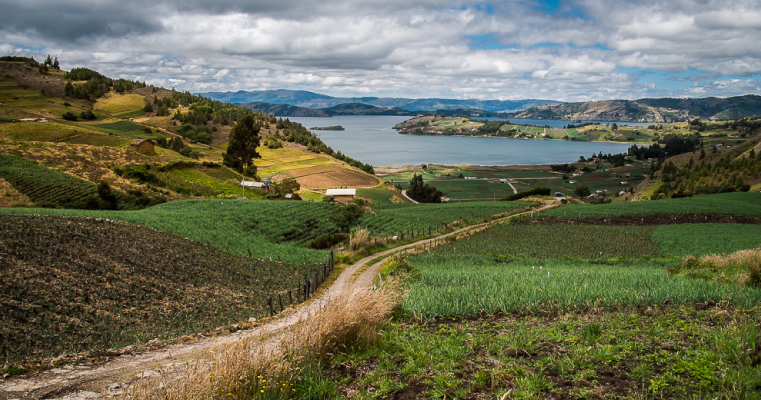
241 148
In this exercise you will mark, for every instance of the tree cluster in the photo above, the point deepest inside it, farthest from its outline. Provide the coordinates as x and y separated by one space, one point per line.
95 85
423 193
672 145
727 174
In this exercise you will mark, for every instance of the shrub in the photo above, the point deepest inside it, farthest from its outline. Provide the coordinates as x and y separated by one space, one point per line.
327 241
69 116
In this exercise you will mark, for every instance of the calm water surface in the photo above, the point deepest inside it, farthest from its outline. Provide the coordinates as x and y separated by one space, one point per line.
372 140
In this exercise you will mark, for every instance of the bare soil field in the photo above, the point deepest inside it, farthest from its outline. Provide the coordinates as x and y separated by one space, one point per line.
331 176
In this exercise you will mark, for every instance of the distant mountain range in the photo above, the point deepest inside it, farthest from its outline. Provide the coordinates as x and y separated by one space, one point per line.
310 100
300 103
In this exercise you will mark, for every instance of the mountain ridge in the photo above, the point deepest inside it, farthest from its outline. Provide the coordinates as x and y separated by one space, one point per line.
307 99
658 110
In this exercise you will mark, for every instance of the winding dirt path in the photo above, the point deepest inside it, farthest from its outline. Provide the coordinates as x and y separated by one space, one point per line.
80 382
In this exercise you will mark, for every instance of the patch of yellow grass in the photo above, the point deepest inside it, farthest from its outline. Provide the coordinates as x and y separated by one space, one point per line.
10 197
114 103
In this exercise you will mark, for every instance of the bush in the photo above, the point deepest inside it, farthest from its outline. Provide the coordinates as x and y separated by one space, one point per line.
87 115
538 191
69 116
327 241
399 266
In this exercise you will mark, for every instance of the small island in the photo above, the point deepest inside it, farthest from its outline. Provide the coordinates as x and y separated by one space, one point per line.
328 128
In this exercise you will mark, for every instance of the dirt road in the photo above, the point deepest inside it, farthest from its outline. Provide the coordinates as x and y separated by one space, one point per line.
79 382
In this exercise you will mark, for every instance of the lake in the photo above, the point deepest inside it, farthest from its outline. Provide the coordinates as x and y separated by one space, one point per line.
372 140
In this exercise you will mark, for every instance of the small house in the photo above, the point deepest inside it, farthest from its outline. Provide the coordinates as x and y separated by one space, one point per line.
343 196
144 146
255 185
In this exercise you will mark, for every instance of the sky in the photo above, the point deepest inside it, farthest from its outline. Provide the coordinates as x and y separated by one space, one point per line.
494 50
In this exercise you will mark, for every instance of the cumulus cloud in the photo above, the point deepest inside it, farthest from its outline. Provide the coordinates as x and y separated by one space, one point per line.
413 48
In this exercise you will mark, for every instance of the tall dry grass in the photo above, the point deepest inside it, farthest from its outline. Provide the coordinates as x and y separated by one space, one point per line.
741 267
271 367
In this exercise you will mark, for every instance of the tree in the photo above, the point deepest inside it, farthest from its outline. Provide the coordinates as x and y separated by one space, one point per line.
287 185
69 89
582 191
107 196
614 126
348 217
424 193
241 148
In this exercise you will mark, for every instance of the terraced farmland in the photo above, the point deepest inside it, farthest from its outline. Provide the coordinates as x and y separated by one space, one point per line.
46 187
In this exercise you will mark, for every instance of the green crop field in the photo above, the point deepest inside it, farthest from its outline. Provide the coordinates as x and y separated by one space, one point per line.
45 186
281 229
408 219
703 239
268 229
84 284
527 267
560 241
128 129
726 204
470 284
378 197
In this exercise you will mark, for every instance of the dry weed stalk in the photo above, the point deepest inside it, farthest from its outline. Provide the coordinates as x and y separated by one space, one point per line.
244 368
741 257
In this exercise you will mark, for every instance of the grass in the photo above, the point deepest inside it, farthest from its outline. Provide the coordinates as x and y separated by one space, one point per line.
121 105
247 370
669 352
67 282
